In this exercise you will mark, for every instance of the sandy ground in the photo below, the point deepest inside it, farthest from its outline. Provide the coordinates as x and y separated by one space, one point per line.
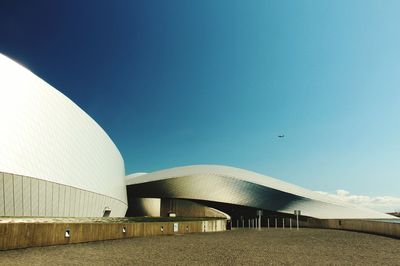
237 247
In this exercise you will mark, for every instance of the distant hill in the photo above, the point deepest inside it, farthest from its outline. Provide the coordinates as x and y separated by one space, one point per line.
397 214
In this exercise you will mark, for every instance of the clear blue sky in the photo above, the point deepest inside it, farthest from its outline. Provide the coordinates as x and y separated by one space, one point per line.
192 82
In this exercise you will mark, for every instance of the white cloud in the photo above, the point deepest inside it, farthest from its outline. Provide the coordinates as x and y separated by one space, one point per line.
381 203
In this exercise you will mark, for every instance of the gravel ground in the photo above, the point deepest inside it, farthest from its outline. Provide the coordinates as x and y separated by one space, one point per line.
237 247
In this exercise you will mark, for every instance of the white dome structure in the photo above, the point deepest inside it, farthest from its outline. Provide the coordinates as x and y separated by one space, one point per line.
55 160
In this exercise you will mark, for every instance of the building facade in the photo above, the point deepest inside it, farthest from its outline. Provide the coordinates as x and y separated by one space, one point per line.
238 193
55 160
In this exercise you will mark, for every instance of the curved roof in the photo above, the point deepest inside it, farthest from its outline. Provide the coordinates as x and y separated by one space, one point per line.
238 186
44 135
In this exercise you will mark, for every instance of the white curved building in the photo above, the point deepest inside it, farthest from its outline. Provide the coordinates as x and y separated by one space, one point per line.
55 160
236 192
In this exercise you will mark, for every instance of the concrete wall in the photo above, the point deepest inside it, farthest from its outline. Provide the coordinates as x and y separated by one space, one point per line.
27 196
22 235
143 207
161 207
367 226
187 208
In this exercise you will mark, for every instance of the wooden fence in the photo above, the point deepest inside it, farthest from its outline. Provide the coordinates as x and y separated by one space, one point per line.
358 225
22 235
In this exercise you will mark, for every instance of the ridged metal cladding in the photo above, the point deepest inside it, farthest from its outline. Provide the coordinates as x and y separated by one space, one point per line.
240 187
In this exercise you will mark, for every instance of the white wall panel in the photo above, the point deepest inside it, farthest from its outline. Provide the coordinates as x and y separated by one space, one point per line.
109 205
114 206
2 211
85 202
79 203
92 204
26 194
44 135
17 195
88 205
67 201
99 205
73 204
42 198
9 194
105 204
96 204
102 204
35 196
55 199
49 199
82 202
61 201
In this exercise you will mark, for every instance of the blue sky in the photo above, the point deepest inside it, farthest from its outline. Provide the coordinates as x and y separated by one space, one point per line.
192 82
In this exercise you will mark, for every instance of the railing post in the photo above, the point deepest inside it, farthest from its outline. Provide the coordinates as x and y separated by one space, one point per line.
297 213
